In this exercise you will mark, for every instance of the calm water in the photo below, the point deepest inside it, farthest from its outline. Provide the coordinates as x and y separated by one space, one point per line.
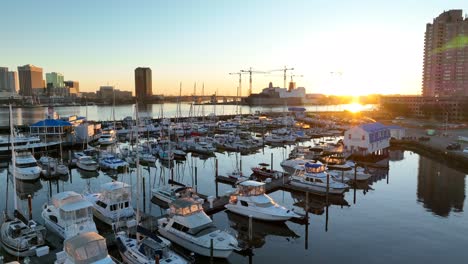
103 113
415 213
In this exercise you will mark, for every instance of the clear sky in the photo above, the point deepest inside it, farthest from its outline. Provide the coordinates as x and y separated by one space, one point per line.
376 45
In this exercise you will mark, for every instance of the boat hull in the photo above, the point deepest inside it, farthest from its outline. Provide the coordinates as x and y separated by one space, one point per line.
317 188
257 214
200 250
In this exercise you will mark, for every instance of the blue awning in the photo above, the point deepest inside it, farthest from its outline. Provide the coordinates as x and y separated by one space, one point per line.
51 123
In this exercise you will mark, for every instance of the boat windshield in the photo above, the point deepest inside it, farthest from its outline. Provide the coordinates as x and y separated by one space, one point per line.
89 253
77 214
188 210
26 165
203 230
251 190
315 169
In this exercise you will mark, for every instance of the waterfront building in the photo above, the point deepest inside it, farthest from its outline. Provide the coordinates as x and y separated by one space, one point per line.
143 83
106 92
55 78
3 79
74 86
30 80
13 83
367 139
453 108
445 64
397 132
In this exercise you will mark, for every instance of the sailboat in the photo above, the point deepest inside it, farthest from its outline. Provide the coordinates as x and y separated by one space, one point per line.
19 237
152 248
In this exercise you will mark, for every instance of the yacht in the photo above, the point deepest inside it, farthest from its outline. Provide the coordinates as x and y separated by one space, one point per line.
109 161
69 214
170 193
263 171
26 167
87 163
22 239
113 204
150 248
250 200
89 248
314 179
291 165
108 137
189 226
361 174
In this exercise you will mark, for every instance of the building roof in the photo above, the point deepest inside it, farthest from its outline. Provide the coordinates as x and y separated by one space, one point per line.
371 127
51 123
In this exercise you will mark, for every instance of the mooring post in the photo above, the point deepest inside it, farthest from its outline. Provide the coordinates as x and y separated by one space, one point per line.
144 196
271 166
211 250
216 168
196 180
250 228
30 206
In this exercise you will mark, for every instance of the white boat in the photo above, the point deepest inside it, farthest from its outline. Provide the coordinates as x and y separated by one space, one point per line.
87 163
20 238
190 227
237 175
86 248
314 179
170 193
108 137
52 167
26 167
109 161
291 165
69 215
149 249
250 200
361 174
113 204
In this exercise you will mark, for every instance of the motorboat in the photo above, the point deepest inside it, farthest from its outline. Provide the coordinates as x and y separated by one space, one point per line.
113 204
22 239
109 161
314 179
251 200
88 247
87 163
69 214
108 137
150 248
26 167
170 193
263 171
189 226
237 175
291 165
52 167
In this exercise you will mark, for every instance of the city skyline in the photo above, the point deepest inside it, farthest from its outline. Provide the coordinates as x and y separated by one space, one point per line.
339 47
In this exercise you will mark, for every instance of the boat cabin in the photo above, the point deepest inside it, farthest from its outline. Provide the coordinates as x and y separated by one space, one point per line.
315 167
114 196
86 248
251 188
72 206
185 207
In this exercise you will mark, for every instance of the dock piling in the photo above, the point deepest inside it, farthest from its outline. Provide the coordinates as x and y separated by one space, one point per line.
271 166
250 228
144 196
30 206
196 179
211 250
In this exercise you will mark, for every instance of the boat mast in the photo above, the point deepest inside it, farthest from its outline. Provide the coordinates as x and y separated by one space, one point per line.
13 157
137 172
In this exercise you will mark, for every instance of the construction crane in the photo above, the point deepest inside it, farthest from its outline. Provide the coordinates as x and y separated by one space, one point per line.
239 88
250 71
289 76
284 70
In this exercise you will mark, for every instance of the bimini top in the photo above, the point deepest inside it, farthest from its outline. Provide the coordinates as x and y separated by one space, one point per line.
51 123
86 248
313 165
251 183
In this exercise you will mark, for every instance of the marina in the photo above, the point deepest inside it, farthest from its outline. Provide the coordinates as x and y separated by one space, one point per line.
319 217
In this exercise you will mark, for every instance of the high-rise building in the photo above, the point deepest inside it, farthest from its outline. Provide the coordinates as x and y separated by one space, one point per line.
55 78
13 84
143 83
4 79
73 85
30 80
445 69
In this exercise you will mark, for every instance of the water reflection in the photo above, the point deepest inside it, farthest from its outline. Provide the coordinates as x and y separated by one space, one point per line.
316 204
26 188
260 230
440 188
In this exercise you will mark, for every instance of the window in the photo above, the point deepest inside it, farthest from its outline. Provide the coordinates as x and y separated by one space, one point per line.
349 136
103 205
363 137
244 203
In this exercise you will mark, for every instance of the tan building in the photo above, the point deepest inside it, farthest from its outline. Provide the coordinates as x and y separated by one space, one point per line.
74 86
30 80
445 67
143 83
